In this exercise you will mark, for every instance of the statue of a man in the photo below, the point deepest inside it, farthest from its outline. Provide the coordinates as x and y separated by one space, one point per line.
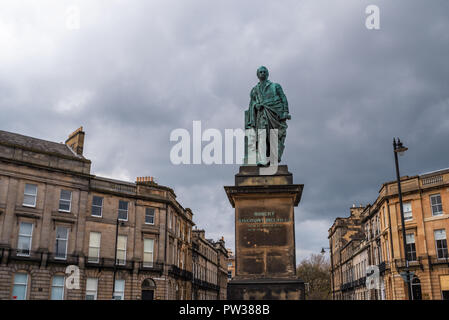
268 109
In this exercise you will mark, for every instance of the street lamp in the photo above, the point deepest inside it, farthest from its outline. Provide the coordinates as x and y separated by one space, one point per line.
398 148
323 251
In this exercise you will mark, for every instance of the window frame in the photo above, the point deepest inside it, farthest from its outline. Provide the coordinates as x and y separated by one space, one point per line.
65 200
411 253
21 284
153 216
407 217
119 293
121 210
121 262
96 288
438 213
94 205
62 239
53 286
146 263
89 257
444 248
25 235
29 194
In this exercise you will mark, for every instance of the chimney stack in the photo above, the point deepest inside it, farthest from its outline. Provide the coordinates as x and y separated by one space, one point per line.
144 180
76 141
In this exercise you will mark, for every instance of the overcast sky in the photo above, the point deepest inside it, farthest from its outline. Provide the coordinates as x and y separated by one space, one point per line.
136 70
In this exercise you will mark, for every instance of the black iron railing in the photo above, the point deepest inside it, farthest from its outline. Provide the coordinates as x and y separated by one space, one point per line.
383 266
62 259
151 266
108 263
402 263
434 260
205 285
180 273
24 255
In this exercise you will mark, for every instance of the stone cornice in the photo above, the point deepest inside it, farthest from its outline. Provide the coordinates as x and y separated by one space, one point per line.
293 189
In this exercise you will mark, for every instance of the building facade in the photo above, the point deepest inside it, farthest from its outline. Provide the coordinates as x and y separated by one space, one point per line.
370 240
209 268
231 265
68 234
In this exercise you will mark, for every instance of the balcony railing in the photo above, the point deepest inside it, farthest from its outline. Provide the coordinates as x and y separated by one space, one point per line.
62 259
180 273
108 263
24 255
151 266
383 266
205 285
434 260
402 263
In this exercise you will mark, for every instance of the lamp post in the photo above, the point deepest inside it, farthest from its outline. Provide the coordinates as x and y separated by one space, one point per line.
323 251
398 148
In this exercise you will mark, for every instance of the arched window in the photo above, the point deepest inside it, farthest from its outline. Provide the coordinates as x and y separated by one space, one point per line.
148 284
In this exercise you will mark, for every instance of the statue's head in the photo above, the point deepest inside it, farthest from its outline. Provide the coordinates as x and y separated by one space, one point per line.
262 73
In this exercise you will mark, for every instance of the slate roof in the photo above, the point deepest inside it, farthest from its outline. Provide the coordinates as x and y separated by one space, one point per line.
39 145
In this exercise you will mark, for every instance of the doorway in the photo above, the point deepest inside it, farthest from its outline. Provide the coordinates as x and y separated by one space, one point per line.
148 288
416 289
147 294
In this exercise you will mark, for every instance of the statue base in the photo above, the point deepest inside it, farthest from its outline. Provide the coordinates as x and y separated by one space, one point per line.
265 235
266 289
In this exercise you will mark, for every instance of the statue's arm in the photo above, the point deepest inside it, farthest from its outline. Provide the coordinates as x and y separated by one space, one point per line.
280 92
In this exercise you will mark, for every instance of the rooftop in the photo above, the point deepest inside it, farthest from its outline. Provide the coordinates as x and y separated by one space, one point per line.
35 144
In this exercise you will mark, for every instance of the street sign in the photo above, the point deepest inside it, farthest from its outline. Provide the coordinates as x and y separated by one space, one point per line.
404 275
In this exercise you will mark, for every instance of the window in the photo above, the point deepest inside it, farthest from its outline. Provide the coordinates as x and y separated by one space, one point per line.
407 208
19 291
148 248
97 206
91 288
149 216
169 220
62 236
25 239
65 200
123 210
94 247
441 243
29 195
121 250
435 202
57 288
119 290
411 249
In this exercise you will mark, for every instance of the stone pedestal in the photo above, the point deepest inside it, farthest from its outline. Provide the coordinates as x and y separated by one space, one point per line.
265 235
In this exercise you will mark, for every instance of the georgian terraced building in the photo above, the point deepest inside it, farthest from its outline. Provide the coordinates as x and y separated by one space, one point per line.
372 236
209 268
128 240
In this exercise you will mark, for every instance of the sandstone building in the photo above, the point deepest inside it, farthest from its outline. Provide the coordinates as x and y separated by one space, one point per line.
372 236
231 265
126 240
209 268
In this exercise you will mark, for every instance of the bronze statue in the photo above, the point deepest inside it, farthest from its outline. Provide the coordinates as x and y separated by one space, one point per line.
268 109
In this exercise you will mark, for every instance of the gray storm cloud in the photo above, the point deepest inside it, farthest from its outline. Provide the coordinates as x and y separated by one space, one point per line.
134 71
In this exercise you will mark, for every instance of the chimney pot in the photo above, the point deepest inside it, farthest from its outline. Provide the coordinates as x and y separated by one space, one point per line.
75 141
